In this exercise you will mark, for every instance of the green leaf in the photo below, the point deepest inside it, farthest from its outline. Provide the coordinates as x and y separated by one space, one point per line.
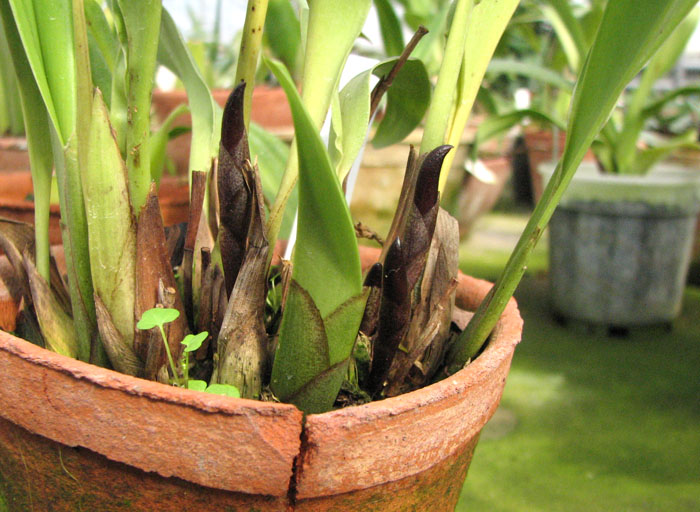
206 114
326 261
530 70
224 389
110 224
390 27
157 317
326 272
407 101
283 34
614 59
485 27
192 342
333 28
196 385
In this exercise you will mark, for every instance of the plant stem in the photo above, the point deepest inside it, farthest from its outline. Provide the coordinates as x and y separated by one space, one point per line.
173 368
250 50
385 82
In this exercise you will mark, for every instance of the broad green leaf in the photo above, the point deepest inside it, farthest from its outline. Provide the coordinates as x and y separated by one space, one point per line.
111 226
486 25
206 115
326 272
326 261
333 28
157 317
407 101
614 59
302 352
224 389
390 27
192 342
142 19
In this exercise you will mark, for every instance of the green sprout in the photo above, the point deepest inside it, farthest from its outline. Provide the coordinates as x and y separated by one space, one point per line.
158 317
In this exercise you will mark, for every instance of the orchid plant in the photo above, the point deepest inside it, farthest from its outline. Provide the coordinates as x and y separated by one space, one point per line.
303 331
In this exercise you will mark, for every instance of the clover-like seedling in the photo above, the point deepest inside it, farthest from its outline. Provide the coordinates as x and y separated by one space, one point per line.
192 342
216 389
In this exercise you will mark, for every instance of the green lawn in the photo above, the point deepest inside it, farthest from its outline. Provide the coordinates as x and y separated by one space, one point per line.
590 422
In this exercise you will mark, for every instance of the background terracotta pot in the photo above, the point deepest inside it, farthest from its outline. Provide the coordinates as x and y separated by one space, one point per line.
16 191
73 434
13 154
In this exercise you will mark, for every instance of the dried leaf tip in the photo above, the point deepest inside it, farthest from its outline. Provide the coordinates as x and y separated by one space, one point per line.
428 178
232 122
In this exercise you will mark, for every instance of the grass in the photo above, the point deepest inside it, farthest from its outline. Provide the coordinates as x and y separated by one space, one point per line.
590 422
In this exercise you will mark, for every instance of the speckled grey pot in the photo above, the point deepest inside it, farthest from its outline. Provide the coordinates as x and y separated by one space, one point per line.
620 246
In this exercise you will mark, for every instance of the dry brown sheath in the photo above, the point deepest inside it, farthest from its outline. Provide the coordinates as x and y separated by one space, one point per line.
373 281
153 271
233 190
198 189
394 315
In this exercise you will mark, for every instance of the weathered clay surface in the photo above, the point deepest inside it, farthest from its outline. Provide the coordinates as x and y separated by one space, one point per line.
235 445
38 474
405 453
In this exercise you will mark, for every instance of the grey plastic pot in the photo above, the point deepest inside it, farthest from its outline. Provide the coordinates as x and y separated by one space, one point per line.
620 245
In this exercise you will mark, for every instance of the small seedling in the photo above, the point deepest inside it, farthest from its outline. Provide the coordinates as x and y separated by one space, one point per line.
157 317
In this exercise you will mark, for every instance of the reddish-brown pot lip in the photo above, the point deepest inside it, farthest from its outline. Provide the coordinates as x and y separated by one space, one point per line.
336 425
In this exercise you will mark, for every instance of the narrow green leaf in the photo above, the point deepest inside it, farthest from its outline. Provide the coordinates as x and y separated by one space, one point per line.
38 139
390 27
206 115
486 25
283 34
614 59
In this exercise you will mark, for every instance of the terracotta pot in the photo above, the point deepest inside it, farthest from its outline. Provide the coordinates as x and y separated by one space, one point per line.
270 110
13 154
72 435
16 186
477 197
